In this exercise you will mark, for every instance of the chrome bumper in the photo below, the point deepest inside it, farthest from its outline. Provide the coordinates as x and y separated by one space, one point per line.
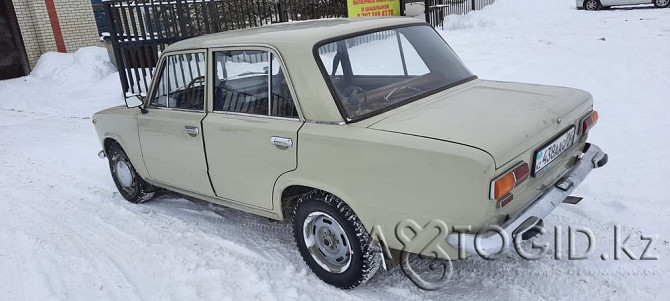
492 242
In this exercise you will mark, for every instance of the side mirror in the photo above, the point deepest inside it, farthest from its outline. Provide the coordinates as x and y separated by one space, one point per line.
134 101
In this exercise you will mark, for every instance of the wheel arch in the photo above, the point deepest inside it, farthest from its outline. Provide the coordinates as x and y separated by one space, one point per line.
288 194
134 155
107 143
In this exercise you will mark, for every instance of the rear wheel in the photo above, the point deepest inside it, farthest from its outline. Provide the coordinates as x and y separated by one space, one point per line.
131 186
333 241
661 3
592 5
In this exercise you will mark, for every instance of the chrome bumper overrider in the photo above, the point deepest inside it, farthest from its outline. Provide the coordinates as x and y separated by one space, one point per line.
492 242
101 154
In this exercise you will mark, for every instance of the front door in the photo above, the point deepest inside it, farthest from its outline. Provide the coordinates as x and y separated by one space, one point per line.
171 131
251 136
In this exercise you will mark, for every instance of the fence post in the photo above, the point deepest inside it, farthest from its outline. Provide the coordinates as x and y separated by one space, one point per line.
114 39
474 2
426 10
282 14
181 19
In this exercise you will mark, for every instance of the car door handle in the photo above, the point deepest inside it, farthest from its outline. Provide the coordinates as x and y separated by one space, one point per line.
281 141
192 130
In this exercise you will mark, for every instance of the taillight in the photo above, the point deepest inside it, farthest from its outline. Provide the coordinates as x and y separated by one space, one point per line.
588 122
504 184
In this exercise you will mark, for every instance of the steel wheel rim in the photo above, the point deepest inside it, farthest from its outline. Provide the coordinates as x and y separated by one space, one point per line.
662 2
124 175
327 242
591 5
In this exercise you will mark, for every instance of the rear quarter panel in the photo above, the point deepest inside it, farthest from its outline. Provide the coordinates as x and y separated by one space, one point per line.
388 177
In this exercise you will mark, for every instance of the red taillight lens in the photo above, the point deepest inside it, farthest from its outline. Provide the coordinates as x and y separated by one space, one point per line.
521 173
504 184
588 122
505 201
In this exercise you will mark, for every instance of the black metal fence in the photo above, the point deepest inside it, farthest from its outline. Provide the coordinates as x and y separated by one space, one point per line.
141 29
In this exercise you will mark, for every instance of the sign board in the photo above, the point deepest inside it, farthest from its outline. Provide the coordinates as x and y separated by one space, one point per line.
373 8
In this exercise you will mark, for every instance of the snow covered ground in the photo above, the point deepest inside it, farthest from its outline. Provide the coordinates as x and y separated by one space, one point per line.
66 234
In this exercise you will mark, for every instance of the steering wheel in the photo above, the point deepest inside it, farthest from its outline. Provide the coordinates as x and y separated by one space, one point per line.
354 96
189 87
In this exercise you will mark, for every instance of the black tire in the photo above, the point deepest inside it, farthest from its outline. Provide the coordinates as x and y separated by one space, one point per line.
133 189
661 3
592 5
363 260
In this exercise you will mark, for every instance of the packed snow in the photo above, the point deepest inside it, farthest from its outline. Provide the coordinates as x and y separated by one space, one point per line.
66 234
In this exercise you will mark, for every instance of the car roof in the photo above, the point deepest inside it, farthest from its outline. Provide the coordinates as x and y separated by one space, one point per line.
291 33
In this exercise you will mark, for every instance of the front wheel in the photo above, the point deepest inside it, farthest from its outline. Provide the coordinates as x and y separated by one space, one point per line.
661 3
131 186
592 5
333 241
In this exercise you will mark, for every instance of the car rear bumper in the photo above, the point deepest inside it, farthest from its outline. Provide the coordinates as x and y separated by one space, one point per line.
496 240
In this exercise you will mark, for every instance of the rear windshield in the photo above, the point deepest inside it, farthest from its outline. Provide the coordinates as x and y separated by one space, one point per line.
373 72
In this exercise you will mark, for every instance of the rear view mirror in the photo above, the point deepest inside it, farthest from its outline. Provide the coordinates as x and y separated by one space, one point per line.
134 101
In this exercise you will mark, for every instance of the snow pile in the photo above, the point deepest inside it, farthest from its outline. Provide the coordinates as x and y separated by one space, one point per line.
470 20
65 84
86 66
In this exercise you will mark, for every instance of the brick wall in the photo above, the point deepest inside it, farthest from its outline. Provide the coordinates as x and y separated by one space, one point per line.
75 17
77 24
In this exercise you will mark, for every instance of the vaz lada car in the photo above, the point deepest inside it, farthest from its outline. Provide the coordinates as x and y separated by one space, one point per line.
346 128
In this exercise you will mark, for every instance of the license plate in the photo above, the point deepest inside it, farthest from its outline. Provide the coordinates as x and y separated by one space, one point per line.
546 155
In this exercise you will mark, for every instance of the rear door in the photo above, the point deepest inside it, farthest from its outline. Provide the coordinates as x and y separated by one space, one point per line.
251 134
170 133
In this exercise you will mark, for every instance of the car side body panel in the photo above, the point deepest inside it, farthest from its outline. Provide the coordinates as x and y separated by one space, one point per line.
170 154
387 178
243 163
120 124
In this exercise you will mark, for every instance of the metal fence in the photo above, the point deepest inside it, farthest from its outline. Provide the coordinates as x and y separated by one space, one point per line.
141 29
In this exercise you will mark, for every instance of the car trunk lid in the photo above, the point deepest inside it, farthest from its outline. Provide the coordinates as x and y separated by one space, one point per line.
502 119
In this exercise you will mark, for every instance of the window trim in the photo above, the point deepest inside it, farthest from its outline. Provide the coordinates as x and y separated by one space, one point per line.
259 47
155 81
331 87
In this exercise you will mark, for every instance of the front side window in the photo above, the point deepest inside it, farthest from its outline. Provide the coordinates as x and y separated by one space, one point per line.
182 82
251 82
372 72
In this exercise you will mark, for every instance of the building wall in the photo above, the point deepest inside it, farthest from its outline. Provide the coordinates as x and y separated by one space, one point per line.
77 24
35 28
75 17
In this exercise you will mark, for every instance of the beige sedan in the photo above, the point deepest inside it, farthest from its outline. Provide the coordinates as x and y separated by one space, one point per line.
351 129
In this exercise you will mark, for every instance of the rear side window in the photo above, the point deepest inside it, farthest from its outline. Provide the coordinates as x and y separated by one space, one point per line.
251 82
